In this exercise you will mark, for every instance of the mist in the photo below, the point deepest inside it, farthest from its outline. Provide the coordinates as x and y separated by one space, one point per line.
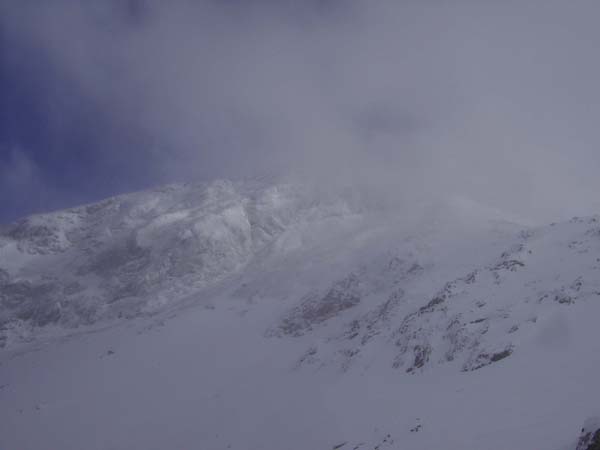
406 100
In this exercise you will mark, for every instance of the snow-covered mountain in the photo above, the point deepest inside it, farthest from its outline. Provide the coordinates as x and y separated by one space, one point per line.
255 315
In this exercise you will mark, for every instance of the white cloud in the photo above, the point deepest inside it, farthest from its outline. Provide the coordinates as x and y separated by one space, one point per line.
493 100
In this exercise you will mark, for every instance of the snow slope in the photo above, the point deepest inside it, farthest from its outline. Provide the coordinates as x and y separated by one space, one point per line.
262 316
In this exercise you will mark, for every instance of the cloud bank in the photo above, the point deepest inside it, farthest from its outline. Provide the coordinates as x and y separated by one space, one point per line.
408 100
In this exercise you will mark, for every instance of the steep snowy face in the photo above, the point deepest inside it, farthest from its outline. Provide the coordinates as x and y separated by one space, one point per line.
454 304
139 252
355 287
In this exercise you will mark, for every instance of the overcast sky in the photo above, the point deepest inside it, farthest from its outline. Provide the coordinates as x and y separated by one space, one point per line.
497 101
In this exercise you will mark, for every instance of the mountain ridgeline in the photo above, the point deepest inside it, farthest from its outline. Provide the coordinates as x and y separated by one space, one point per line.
348 288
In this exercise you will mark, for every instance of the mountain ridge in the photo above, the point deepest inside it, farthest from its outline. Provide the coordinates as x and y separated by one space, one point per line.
292 285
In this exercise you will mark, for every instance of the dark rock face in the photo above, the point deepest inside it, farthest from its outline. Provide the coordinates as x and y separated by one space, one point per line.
590 436
589 441
485 359
315 309
421 354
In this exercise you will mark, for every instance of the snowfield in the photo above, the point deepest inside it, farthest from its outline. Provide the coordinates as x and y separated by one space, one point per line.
267 316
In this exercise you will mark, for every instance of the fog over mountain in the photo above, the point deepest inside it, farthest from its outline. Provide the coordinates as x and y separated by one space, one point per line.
485 99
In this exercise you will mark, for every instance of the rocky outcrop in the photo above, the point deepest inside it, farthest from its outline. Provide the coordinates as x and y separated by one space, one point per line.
590 435
316 308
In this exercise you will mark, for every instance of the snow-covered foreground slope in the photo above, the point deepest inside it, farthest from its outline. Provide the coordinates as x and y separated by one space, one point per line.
252 316
206 379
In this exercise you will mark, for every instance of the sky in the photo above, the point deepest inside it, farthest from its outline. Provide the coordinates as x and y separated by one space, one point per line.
408 100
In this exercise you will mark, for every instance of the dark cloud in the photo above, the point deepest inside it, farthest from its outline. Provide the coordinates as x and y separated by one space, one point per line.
408 100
